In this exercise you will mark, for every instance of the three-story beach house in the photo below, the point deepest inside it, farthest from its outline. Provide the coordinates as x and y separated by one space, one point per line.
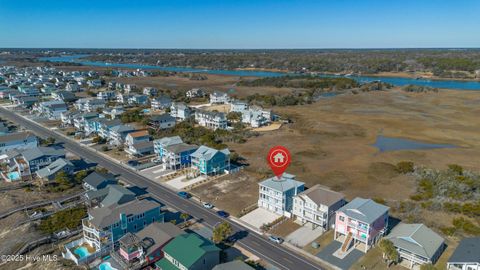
360 224
276 194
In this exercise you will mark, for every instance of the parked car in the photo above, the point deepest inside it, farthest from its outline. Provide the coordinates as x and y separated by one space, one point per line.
132 163
207 205
184 194
222 214
275 239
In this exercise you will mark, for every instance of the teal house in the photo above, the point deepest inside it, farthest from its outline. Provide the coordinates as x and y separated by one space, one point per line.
211 161
189 251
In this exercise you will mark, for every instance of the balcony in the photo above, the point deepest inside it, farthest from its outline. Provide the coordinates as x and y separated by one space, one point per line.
360 227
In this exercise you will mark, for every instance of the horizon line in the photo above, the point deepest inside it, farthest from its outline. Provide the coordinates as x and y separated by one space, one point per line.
310 48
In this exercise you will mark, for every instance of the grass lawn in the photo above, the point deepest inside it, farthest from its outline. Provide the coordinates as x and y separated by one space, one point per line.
442 261
373 261
323 240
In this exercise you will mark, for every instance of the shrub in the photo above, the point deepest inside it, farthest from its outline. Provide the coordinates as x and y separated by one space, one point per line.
405 167
65 219
456 169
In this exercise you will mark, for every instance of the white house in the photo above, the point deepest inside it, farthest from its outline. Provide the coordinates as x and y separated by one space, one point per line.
180 111
51 109
466 256
89 104
239 106
72 87
150 91
276 194
195 92
106 95
161 103
316 206
219 98
211 120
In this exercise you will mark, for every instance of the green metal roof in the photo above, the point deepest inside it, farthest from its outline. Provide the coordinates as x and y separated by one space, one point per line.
189 248
164 264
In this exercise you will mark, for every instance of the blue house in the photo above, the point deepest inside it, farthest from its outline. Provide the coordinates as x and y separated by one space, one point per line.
211 161
17 141
104 226
178 156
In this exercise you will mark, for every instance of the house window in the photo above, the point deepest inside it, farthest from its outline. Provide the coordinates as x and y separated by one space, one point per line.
341 218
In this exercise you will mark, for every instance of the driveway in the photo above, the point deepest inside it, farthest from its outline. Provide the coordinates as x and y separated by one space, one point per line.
182 182
303 236
345 263
154 173
259 216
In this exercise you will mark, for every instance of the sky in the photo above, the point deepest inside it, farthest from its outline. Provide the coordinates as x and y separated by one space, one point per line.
240 24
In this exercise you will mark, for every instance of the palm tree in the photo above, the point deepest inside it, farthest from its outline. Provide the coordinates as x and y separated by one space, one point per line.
184 216
389 252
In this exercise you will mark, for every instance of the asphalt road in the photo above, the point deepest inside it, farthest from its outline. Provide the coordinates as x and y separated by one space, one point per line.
277 255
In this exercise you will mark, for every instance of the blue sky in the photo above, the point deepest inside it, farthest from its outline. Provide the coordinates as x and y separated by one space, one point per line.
239 24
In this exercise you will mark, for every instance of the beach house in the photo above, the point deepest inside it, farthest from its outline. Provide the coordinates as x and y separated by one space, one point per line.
276 194
466 256
189 251
104 226
17 141
211 161
360 224
416 244
316 206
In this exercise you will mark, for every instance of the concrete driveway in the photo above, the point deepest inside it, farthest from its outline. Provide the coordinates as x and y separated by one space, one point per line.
304 235
182 182
259 216
154 173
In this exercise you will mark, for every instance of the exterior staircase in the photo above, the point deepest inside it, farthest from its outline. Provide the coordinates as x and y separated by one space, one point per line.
347 242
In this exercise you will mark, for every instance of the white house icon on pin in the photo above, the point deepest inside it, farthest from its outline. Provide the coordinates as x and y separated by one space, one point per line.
278 158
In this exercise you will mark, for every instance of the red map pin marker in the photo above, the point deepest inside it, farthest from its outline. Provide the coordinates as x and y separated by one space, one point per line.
278 158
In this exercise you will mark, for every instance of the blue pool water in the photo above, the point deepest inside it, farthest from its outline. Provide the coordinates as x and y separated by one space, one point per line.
81 252
385 144
13 176
450 84
106 266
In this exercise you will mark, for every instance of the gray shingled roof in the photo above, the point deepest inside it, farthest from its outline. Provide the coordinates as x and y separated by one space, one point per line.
122 128
106 216
18 136
54 167
95 178
365 210
159 234
163 117
205 152
322 195
286 182
468 251
166 141
143 145
37 152
416 238
117 195
181 147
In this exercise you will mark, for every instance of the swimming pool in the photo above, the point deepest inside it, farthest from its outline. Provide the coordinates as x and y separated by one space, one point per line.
106 266
13 176
81 252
